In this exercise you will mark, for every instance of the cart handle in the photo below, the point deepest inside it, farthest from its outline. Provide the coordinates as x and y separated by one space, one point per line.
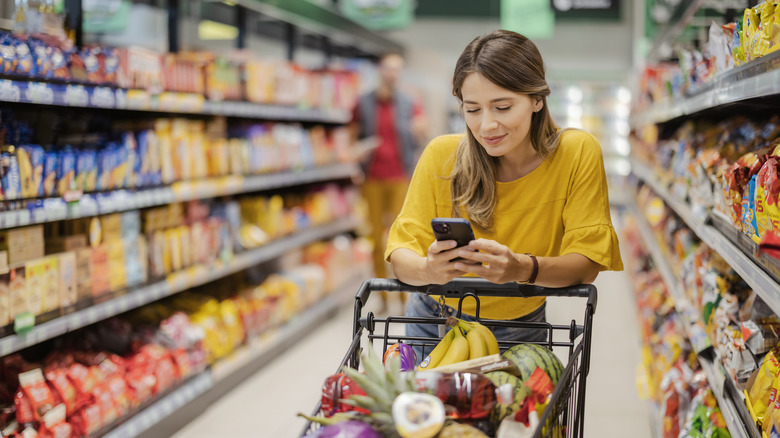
460 287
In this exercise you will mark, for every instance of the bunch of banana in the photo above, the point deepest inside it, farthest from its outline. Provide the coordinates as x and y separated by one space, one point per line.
467 340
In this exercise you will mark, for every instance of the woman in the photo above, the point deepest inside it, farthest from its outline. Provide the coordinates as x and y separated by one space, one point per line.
535 195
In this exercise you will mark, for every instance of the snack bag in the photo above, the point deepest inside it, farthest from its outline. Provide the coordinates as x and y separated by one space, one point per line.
30 160
48 186
66 171
37 391
767 194
749 226
59 63
54 424
63 388
762 386
7 55
25 65
41 54
12 181
86 170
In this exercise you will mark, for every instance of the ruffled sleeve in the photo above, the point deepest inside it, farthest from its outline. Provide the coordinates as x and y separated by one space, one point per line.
596 242
587 223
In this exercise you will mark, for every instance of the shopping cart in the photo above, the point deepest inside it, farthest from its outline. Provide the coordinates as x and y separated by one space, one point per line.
565 412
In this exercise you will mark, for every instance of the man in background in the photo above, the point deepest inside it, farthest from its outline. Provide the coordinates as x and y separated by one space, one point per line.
395 121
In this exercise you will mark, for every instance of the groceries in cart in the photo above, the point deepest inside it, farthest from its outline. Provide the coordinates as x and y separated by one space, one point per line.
462 390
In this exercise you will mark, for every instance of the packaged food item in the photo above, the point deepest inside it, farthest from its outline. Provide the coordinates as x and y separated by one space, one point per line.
749 226
64 389
12 181
24 59
17 290
85 66
86 170
49 185
336 388
767 195
34 275
762 386
54 424
66 171
41 54
67 280
465 395
5 298
8 59
36 390
59 63
109 60
30 160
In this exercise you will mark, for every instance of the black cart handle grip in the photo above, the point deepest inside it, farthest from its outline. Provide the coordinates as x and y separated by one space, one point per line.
459 287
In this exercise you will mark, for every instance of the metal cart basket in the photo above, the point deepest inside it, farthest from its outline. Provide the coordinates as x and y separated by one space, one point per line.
565 412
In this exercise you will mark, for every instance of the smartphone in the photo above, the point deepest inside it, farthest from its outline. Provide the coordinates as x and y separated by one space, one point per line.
458 230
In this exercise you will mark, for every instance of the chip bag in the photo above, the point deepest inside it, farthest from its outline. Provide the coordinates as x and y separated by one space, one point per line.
762 386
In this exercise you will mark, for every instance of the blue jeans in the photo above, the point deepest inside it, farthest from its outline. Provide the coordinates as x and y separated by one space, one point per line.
421 305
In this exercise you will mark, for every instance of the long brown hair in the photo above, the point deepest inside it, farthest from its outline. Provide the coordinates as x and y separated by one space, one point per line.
513 62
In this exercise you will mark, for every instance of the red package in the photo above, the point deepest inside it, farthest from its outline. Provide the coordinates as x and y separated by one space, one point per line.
63 388
141 383
770 244
37 391
339 387
86 421
121 393
84 381
54 424
24 409
182 360
541 387
105 401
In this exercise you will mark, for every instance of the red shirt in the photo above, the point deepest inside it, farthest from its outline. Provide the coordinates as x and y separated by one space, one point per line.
386 162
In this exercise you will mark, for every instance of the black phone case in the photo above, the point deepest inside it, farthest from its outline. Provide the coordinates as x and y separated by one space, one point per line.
458 230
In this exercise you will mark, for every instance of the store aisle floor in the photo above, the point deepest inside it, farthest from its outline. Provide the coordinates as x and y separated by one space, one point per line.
266 404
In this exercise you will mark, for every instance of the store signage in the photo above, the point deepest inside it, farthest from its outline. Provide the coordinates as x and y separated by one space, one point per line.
586 8
532 18
379 14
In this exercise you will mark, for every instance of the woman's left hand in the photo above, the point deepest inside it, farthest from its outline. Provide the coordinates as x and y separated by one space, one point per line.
498 263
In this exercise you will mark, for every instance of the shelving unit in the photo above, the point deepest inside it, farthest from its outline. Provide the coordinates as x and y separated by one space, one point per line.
755 79
109 98
126 200
712 367
761 282
248 357
175 283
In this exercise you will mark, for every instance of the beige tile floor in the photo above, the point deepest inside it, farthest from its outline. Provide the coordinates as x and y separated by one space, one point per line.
266 404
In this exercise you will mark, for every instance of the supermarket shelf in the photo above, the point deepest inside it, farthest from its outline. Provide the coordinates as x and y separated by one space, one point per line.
177 407
756 78
181 396
761 282
56 209
715 373
110 98
175 283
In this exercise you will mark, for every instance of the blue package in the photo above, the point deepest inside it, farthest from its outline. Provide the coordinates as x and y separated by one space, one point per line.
86 170
66 171
25 65
149 172
104 167
12 183
42 58
49 185
749 224
131 160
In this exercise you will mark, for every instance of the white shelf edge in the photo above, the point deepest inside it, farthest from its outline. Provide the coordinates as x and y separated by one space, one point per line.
164 288
154 197
241 357
754 275
728 87
172 402
269 341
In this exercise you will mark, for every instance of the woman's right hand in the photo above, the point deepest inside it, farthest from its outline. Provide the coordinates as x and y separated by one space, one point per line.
439 266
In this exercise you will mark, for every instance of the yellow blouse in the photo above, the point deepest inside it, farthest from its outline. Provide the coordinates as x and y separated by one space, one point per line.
559 208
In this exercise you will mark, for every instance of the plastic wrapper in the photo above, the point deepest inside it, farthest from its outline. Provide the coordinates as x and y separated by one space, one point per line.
465 395
339 387
770 244
759 392
749 225
767 194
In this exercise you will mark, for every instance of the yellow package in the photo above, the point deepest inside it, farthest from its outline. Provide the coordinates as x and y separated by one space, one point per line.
749 29
761 38
762 386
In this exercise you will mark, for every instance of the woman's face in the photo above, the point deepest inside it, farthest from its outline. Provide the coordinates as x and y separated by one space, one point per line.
499 119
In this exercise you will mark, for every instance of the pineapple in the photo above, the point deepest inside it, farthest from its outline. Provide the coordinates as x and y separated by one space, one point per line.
381 387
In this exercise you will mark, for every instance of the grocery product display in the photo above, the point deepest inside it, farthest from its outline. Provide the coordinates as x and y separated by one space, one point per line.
167 220
706 216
